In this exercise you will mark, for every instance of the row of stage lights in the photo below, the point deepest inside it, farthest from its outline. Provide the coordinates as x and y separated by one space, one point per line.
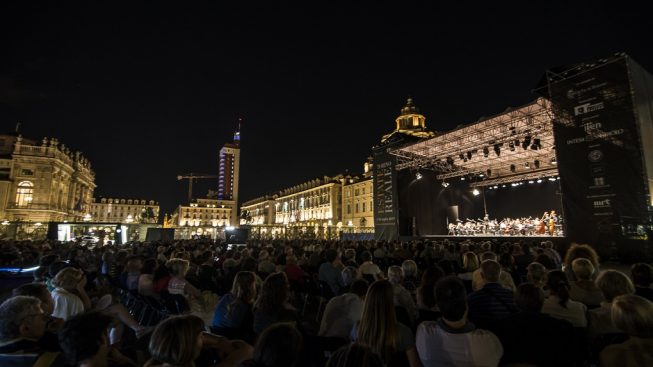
488 172
514 184
534 144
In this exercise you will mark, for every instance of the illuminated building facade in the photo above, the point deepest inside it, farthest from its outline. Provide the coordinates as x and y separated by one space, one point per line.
313 203
229 171
259 211
357 206
203 217
43 182
109 210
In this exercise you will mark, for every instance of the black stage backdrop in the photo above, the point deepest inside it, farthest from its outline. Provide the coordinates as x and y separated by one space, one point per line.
426 207
599 153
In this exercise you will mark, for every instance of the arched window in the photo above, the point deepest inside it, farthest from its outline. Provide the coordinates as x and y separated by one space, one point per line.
24 193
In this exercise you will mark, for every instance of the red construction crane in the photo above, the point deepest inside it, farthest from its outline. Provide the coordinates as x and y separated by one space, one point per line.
192 176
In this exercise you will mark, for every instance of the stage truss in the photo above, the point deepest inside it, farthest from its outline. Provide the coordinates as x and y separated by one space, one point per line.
513 146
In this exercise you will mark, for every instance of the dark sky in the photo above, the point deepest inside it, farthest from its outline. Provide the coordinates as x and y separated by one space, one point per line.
148 91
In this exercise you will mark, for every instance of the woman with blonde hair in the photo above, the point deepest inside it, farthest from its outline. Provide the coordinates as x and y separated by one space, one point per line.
612 283
178 341
379 329
178 283
470 264
584 289
577 251
69 295
632 315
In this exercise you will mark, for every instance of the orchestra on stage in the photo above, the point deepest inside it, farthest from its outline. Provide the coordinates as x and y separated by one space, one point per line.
550 224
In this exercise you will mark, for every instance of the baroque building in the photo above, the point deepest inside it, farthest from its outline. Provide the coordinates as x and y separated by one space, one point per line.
357 200
203 217
43 181
110 210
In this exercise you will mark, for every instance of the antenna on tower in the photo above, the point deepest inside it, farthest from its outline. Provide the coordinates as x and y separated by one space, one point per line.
18 126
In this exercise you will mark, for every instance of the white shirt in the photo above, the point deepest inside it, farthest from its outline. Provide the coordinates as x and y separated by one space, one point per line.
574 313
340 315
369 267
438 345
66 304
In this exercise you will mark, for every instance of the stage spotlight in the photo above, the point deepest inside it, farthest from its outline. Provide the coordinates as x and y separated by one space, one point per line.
489 172
469 155
536 144
531 181
461 156
462 179
552 179
539 180
537 163
512 168
554 161
527 142
511 145
497 149
418 175
516 142
496 186
527 165
476 192
486 152
445 184
450 160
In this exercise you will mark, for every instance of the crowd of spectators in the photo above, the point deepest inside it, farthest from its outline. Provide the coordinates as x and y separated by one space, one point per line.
323 303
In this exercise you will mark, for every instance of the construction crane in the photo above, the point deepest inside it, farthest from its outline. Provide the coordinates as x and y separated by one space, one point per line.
191 176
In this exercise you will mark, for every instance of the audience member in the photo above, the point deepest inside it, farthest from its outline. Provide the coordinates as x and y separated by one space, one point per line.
453 340
280 345
273 303
354 355
632 315
342 312
493 302
642 278
234 310
612 283
559 305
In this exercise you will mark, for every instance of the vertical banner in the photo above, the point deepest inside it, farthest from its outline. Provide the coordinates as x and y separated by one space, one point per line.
598 152
385 195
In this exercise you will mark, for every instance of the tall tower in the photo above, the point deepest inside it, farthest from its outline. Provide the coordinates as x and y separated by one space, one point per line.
229 172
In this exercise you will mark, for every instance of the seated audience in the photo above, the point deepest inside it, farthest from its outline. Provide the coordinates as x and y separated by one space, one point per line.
493 302
453 340
178 341
505 279
178 283
426 291
642 278
85 342
632 315
534 338
559 305
69 295
273 303
402 297
584 289
280 345
379 329
22 324
577 251
342 312
368 270
330 271
146 278
234 310
612 283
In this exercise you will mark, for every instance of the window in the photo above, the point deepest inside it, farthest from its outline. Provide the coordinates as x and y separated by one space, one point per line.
348 209
356 207
24 193
26 172
363 206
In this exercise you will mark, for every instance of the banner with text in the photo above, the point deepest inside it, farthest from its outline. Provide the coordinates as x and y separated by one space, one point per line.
385 196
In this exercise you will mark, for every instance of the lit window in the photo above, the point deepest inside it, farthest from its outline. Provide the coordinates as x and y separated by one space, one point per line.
24 193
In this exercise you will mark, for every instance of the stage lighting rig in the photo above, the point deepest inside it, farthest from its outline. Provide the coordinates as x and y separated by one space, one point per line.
554 161
511 145
527 165
512 168
476 192
536 144
469 154
461 156
418 176
537 164
497 149
489 172
445 184
527 142
486 152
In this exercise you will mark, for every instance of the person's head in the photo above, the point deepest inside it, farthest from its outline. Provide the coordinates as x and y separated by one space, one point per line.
536 273
134 264
633 315
359 287
274 292
470 261
558 284
349 274
642 274
490 271
529 297
583 268
37 290
488 255
350 254
177 340
67 278
613 283
178 267
395 274
244 287
56 267
263 255
378 326
279 345
354 355
331 255
84 338
427 287
149 265
410 269
22 317
451 298
577 251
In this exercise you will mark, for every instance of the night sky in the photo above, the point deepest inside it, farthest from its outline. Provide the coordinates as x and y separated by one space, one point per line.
148 92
